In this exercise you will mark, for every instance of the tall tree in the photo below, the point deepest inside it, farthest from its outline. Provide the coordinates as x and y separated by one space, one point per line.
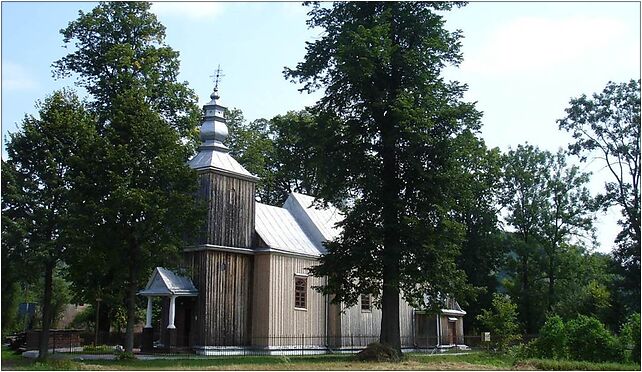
43 161
568 213
607 127
140 205
525 199
385 127
477 208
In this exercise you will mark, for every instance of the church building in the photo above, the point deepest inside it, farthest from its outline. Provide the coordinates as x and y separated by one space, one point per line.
246 283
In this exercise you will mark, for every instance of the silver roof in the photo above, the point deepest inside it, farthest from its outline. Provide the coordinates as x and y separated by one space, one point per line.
165 282
213 154
279 230
210 158
318 223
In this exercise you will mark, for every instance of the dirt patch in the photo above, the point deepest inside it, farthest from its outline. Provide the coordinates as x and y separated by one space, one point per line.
378 352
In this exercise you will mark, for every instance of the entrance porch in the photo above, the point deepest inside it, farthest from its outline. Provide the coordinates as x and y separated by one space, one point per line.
177 316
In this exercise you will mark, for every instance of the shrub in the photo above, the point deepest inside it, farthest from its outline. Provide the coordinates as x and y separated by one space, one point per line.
589 340
552 341
501 321
126 355
630 338
98 349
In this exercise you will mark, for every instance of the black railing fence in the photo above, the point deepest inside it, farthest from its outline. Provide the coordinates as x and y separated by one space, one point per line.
270 345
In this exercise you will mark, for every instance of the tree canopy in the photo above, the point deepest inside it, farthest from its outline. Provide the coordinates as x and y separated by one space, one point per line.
606 127
140 206
385 128
44 164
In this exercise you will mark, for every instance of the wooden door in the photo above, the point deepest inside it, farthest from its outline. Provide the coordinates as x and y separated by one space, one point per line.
452 332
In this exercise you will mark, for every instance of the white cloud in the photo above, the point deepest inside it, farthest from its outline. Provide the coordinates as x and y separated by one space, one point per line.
537 44
187 9
16 78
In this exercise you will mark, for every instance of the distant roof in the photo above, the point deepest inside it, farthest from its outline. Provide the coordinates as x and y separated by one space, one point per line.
212 159
319 223
165 282
279 230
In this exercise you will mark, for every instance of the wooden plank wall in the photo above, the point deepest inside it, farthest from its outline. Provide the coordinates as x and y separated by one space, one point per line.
360 328
231 210
261 301
288 326
459 324
224 297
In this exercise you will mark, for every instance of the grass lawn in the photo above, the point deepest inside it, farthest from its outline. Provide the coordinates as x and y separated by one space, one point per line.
473 361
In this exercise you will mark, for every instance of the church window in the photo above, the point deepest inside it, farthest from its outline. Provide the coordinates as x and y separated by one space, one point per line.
300 292
366 302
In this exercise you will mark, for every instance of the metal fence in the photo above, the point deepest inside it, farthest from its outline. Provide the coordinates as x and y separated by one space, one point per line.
272 345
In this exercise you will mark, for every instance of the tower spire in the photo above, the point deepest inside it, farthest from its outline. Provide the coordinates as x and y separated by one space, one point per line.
212 153
217 79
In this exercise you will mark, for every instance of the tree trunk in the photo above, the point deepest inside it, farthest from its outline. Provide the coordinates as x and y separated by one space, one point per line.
131 317
526 294
551 282
43 342
131 300
390 333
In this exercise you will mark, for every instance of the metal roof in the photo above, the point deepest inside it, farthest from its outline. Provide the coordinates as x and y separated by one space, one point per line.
165 282
278 229
319 223
219 160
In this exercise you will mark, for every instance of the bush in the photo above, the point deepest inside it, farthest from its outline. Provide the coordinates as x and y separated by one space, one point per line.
501 321
630 338
98 349
126 355
589 340
552 342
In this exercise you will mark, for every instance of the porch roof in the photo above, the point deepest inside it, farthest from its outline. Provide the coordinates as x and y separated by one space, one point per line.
165 282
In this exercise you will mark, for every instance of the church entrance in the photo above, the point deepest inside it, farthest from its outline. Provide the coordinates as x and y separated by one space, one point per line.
452 332
184 321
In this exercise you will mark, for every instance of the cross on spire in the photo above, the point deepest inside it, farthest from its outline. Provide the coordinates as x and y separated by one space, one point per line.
217 79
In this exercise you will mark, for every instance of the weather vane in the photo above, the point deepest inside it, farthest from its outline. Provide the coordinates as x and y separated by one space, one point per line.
217 77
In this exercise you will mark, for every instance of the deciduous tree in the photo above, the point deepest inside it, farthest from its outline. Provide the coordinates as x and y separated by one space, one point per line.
140 202
606 127
44 158
385 128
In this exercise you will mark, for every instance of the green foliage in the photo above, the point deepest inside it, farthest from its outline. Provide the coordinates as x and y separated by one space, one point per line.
126 355
548 204
44 161
501 322
572 365
589 340
606 127
121 46
483 248
385 150
98 349
138 208
552 342
630 338
85 319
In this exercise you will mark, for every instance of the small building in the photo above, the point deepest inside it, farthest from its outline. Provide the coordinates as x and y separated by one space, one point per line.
246 283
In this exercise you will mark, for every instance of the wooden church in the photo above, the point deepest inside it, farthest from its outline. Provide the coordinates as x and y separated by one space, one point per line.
246 283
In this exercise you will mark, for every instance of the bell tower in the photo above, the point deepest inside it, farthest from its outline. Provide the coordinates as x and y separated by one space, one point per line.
222 260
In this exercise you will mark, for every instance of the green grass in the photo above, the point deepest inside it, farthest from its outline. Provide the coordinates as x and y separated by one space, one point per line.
573 365
414 361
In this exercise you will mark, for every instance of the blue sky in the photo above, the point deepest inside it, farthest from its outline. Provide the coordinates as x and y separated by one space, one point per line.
522 61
